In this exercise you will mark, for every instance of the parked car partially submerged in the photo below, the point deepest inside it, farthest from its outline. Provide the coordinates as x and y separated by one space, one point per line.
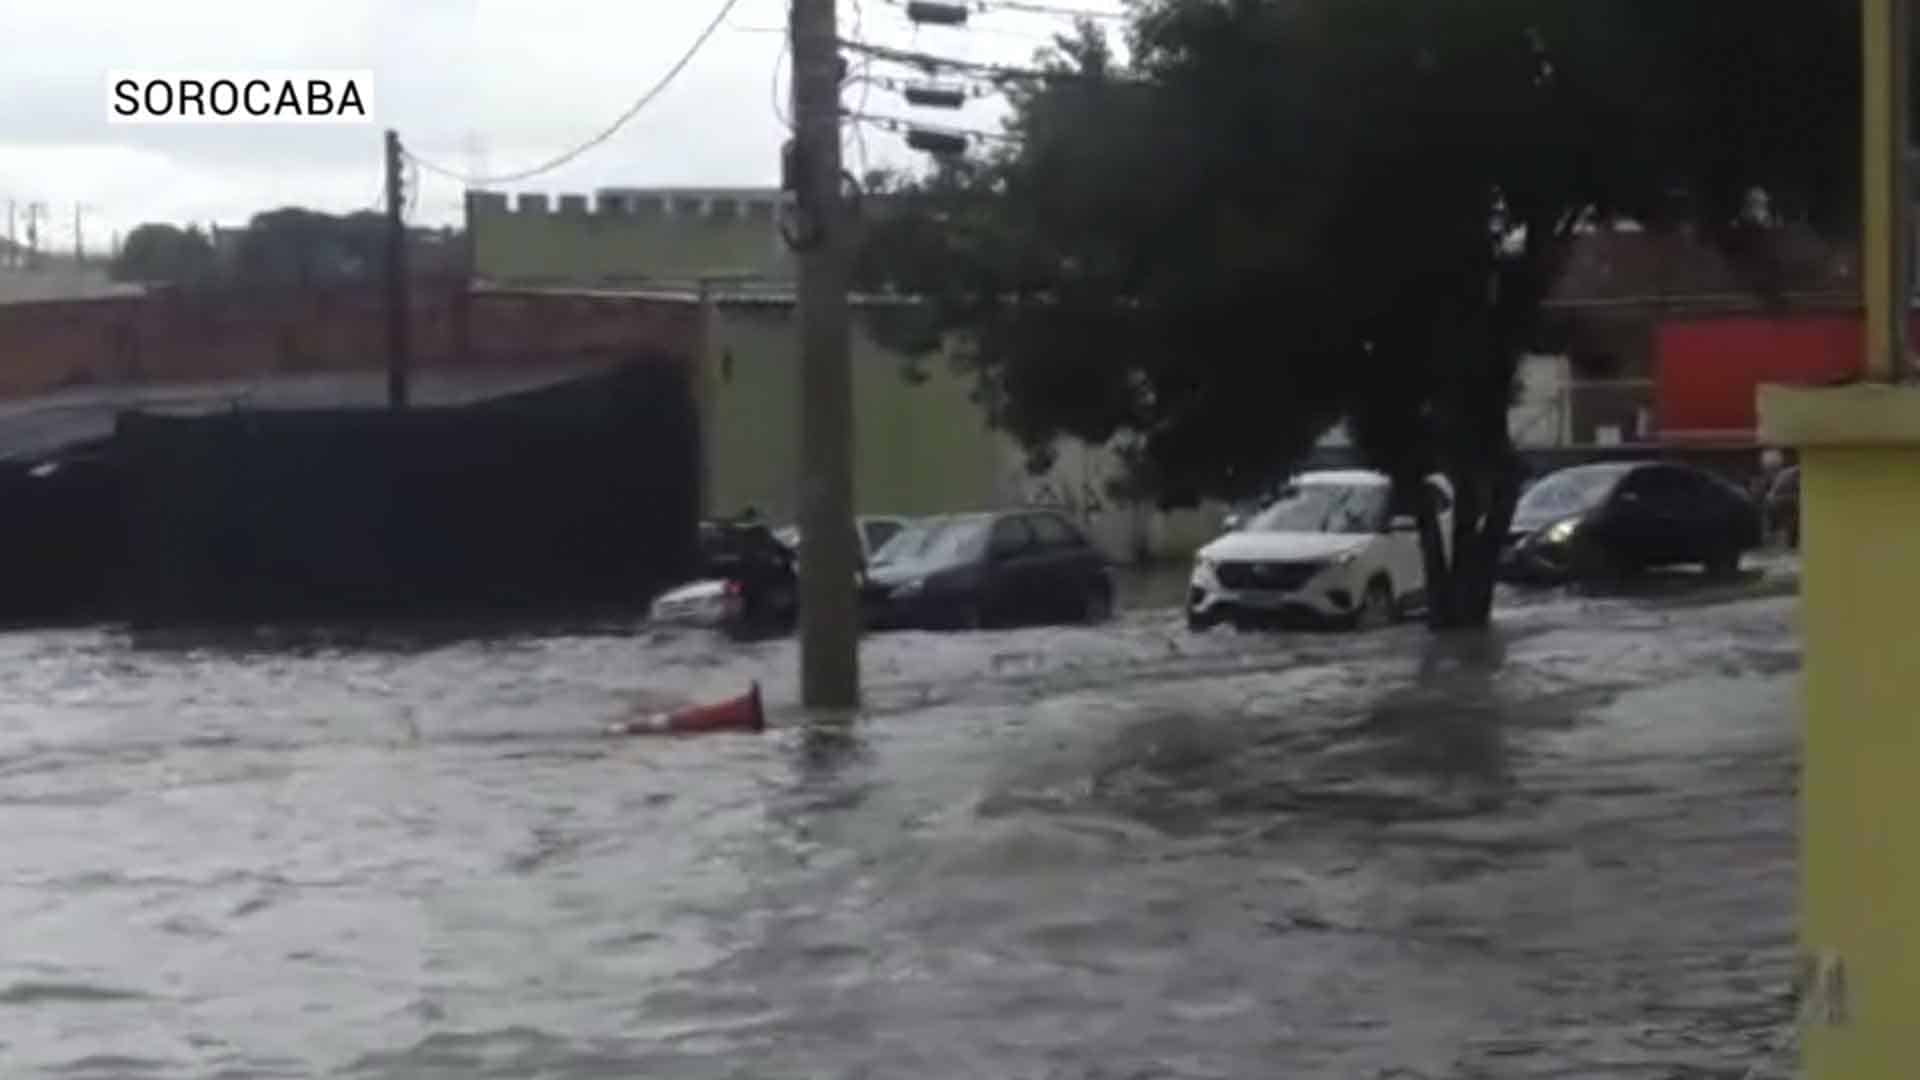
1603 520
992 569
748 584
1330 550
874 531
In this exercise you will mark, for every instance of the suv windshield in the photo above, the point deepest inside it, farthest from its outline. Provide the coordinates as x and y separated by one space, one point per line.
1569 491
1326 508
942 540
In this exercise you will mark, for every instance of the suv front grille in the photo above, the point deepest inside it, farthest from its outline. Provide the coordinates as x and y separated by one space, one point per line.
1279 576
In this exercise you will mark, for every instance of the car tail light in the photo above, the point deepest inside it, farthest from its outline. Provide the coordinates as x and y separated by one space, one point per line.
734 588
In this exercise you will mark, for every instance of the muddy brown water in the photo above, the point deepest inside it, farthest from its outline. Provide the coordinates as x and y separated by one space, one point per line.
1120 852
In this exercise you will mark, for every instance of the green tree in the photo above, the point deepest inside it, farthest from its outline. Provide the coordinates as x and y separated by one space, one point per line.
164 254
294 247
1283 213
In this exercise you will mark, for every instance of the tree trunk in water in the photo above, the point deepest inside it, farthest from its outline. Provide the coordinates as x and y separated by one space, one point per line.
1495 486
1442 601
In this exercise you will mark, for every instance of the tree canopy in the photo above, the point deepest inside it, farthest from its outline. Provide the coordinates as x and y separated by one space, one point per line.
1279 214
165 254
291 247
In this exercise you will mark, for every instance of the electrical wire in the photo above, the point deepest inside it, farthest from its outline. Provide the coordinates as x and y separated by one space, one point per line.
779 110
654 91
901 127
855 131
866 89
996 72
1049 9
907 22
1028 7
967 88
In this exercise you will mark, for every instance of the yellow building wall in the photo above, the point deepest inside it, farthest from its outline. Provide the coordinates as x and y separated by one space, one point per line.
920 447
607 248
1860 784
1860 760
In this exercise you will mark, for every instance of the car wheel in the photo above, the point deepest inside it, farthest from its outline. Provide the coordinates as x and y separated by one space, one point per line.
1592 564
970 616
1199 623
1097 605
1376 606
1724 564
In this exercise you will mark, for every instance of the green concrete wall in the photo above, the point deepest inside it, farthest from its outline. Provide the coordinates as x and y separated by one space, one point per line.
599 248
918 448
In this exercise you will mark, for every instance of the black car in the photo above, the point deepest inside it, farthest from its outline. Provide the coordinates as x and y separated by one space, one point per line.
995 569
1603 520
748 583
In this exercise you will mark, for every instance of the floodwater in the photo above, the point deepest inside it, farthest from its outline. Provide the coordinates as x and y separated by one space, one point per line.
1121 852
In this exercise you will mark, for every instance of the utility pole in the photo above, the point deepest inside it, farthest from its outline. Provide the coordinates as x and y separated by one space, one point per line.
829 615
33 233
397 285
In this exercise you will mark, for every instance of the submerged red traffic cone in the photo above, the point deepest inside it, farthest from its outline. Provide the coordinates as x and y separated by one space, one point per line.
743 713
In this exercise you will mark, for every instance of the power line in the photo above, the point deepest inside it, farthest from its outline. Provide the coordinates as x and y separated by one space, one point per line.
900 126
632 110
994 72
989 6
866 89
779 111
1048 9
901 86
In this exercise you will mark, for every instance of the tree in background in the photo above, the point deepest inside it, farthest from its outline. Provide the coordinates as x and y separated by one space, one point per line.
293 247
1285 213
164 254
288 248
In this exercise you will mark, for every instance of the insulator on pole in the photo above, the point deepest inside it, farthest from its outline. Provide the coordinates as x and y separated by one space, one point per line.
936 13
938 143
936 97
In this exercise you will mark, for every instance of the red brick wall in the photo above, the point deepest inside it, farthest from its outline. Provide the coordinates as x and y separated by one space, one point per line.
190 338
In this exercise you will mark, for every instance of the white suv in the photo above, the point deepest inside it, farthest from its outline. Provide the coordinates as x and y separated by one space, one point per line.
1327 551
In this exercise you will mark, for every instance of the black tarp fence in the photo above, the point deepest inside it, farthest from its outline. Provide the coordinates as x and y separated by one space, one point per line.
60 528
573 499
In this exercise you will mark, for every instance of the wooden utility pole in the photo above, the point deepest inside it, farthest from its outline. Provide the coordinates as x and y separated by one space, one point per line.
34 211
397 285
829 614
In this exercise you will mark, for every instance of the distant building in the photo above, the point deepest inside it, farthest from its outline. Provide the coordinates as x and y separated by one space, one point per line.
1620 288
623 237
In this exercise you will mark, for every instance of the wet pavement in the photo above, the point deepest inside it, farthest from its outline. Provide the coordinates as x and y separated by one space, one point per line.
1118 852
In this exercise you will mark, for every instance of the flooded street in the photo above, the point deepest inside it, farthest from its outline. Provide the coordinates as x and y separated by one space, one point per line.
1118 852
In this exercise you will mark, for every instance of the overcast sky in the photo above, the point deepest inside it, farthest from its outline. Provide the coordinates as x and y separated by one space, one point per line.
486 86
